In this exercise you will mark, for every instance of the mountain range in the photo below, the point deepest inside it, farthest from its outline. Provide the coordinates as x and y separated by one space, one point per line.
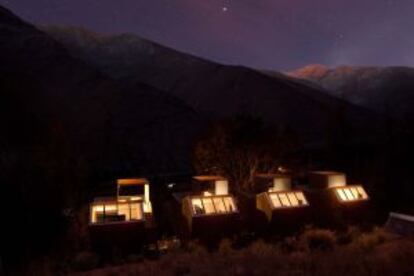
386 90
215 90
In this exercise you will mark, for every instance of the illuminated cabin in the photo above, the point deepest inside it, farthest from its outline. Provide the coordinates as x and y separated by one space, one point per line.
123 217
279 199
211 207
336 184
131 204
333 200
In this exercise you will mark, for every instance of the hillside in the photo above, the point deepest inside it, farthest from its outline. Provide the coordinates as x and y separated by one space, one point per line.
388 90
216 90
66 127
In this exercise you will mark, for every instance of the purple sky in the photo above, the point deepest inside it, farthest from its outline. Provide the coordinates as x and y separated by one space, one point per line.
273 34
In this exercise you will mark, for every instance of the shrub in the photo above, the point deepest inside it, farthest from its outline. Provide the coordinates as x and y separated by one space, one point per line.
318 239
262 249
225 247
351 234
85 261
289 245
195 248
370 240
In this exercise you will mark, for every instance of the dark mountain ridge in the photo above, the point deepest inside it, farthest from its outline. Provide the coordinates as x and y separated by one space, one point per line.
219 91
67 126
387 90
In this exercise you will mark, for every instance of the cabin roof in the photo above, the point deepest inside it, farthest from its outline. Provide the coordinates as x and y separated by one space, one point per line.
209 178
131 181
402 217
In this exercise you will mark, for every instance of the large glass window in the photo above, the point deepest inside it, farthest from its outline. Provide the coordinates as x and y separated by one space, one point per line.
293 200
136 211
288 199
301 198
351 193
124 211
229 203
198 207
208 205
284 199
362 193
219 204
213 205
105 212
275 201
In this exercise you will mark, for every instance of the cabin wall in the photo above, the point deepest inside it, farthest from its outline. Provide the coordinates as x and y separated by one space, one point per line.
263 204
187 212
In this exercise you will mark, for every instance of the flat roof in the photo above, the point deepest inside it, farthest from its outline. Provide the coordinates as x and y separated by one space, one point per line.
402 216
131 181
209 177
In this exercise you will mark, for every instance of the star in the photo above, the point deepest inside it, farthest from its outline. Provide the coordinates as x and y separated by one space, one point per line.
225 9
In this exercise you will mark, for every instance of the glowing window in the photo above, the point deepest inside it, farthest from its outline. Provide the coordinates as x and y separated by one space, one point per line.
229 203
355 193
124 211
106 212
213 205
348 193
341 194
275 201
362 193
136 212
208 205
288 199
198 208
351 193
301 198
284 200
219 204
293 200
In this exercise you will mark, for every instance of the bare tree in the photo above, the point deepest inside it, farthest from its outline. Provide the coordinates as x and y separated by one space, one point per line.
240 148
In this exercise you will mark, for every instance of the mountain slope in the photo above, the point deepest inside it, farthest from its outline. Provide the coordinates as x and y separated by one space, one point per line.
388 90
66 127
216 90
88 102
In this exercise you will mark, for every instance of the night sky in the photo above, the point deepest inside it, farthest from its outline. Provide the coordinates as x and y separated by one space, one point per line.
273 34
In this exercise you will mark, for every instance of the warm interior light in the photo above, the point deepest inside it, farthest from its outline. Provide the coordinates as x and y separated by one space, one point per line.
351 193
221 187
281 184
288 199
106 212
337 180
213 205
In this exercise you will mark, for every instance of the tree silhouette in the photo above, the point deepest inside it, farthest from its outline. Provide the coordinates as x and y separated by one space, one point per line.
240 148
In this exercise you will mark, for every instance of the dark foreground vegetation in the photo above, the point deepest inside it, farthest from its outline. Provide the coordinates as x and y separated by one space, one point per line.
311 252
